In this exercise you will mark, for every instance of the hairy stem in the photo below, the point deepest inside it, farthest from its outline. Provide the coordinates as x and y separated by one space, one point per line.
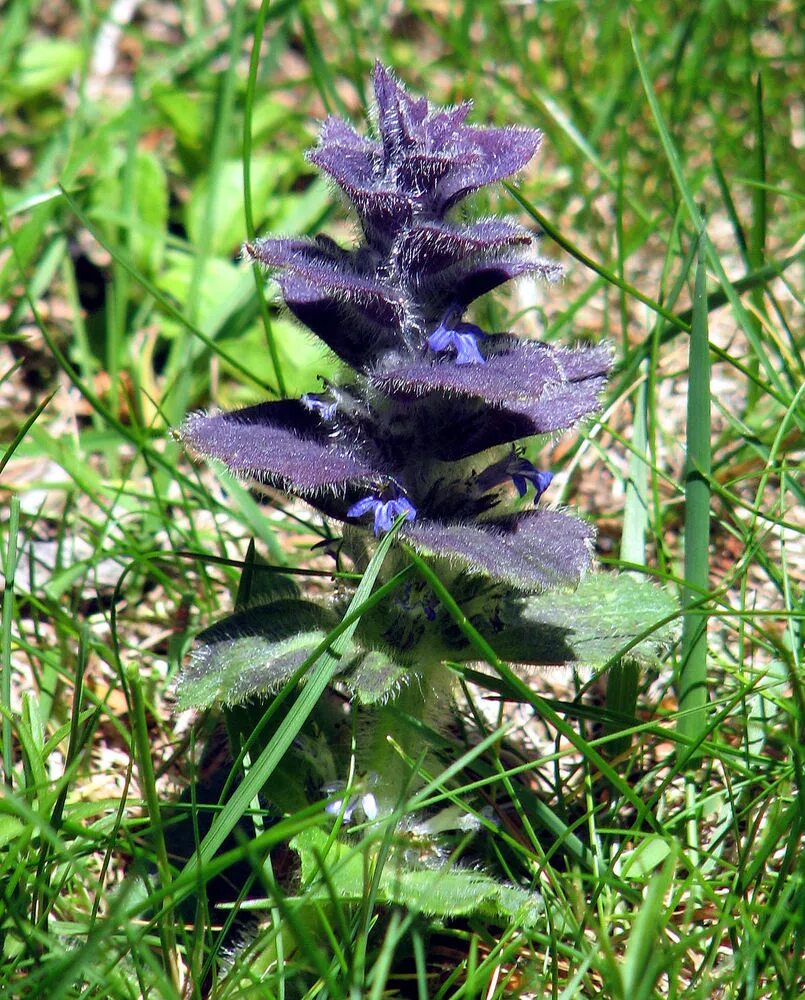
396 736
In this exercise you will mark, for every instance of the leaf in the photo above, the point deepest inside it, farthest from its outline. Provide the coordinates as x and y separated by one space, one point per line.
151 208
43 64
446 891
252 652
10 829
283 444
376 677
323 665
648 855
225 290
142 209
533 389
188 114
215 218
533 550
589 626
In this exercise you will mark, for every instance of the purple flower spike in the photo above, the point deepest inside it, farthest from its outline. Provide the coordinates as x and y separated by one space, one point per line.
461 337
427 396
416 433
385 512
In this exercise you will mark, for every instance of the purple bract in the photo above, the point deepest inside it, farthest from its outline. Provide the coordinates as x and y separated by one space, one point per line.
426 424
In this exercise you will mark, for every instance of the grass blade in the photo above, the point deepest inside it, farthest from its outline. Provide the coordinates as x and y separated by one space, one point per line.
693 666
622 679
9 569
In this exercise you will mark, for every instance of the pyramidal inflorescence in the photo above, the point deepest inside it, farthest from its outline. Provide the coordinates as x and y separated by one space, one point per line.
427 424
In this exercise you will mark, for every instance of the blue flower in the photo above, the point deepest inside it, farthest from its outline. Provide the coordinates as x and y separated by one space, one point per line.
462 337
520 471
385 512
314 402
523 472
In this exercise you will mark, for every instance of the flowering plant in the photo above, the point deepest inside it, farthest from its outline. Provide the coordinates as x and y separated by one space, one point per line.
422 438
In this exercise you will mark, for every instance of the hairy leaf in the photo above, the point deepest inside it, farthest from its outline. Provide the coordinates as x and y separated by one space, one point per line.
437 890
282 444
588 626
376 676
535 550
253 652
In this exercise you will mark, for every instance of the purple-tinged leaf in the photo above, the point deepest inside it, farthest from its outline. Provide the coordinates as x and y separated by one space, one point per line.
351 169
432 248
471 279
536 550
483 156
419 174
303 254
465 409
521 374
377 300
399 116
281 444
444 124
354 326
383 209
337 132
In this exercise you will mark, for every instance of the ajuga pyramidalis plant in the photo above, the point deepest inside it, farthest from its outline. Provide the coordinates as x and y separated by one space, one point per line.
421 435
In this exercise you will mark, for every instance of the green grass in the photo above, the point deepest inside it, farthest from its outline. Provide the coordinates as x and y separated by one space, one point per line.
661 820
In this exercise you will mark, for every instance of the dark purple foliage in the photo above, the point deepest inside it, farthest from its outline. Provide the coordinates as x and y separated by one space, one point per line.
409 435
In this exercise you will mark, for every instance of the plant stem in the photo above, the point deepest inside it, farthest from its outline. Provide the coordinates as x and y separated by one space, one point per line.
395 735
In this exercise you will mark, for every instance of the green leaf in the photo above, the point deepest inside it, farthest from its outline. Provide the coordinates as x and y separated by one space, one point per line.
262 583
225 289
323 664
10 829
189 115
146 212
42 65
302 359
648 855
220 224
446 891
376 677
151 205
605 617
253 652
647 949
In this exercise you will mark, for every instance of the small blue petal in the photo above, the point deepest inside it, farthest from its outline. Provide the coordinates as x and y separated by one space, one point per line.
316 404
440 339
520 485
541 481
362 507
386 512
521 472
462 338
